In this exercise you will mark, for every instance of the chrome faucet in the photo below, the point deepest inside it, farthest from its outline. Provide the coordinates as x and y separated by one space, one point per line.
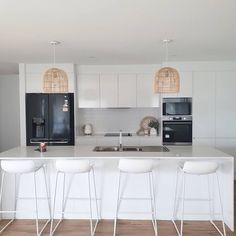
120 142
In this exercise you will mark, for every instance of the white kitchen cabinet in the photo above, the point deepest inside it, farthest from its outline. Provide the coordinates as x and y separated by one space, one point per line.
185 85
127 95
108 90
225 104
88 91
145 91
204 104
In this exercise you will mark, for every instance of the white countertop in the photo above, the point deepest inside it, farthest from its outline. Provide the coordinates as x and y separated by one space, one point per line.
72 152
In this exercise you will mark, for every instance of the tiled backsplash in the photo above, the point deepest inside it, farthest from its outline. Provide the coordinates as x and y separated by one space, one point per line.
113 119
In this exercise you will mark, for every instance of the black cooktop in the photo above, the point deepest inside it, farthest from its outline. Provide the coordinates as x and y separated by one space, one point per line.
117 134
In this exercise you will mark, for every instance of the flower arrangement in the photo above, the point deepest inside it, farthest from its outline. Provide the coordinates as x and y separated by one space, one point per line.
154 124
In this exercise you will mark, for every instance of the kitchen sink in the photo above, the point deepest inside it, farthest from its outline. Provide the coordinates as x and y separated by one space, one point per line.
131 149
106 149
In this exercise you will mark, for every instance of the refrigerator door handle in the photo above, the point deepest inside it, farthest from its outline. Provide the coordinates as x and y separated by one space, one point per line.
65 141
49 141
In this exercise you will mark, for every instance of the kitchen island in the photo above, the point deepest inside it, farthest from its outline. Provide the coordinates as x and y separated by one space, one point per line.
106 171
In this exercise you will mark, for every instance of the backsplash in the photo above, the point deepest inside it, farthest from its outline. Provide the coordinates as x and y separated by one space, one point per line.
114 119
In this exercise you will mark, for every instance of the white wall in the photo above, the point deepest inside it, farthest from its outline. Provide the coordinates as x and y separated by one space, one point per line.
9 112
112 120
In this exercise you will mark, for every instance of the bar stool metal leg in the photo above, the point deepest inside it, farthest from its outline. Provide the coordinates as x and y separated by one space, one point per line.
90 205
1 191
53 208
117 204
221 209
183 201
47 193
47 190
17 183
36 205
96 199
176 201
65 198
210 199
153 202
67 193
63 201
39 232
175 198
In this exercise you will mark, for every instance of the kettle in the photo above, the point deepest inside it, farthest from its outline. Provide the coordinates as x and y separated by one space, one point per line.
88 129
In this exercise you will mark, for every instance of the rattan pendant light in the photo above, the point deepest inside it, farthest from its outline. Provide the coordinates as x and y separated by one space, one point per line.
167 78
55 80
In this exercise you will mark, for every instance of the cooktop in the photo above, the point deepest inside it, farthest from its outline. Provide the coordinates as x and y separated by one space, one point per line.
117 134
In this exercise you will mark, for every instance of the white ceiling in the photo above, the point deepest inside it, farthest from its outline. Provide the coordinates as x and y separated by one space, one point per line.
115 31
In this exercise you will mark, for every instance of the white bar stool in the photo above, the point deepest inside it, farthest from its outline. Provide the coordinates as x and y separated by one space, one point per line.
75 167
137 166
199 168
18 168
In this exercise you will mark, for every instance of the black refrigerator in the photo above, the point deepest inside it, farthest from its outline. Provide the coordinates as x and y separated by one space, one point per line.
50 118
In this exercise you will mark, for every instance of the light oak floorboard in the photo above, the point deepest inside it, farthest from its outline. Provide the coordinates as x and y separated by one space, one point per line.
105 228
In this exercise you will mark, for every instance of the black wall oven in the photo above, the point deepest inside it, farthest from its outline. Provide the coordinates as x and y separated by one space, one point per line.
177 132
177 121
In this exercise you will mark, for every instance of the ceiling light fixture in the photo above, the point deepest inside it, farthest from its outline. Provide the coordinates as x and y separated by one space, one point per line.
167 78
55 80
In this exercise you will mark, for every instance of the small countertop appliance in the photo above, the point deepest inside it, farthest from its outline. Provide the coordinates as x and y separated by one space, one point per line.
88 129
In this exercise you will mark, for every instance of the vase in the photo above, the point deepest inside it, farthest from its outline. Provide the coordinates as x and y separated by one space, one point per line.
153 132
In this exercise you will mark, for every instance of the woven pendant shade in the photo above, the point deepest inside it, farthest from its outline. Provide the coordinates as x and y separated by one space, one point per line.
55 81
167 80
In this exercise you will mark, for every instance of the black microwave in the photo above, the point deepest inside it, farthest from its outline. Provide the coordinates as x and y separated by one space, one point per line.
177 106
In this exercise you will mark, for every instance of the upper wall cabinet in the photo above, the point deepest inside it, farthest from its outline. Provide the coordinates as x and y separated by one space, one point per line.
185 85
127 90
88 91
145 91
225 104
108 90
116 90
204 104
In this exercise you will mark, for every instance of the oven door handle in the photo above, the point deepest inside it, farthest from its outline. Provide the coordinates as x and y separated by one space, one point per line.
177 123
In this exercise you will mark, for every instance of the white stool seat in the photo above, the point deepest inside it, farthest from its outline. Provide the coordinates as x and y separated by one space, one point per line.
200 167
135 166
22 166
73 166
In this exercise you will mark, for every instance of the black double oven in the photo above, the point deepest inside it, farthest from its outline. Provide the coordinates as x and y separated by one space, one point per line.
177 121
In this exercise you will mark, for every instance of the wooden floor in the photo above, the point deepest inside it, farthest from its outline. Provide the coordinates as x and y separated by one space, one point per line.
105 228
124 228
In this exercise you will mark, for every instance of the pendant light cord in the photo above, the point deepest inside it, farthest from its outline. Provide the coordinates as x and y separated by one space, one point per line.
54 44
54 55
167 51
